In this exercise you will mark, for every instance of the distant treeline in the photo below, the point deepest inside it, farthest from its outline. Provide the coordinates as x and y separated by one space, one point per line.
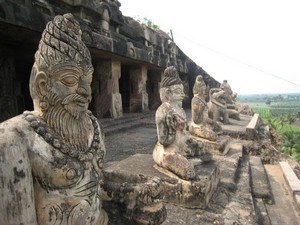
268 98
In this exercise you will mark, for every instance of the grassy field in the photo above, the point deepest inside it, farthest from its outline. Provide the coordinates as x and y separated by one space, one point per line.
275 108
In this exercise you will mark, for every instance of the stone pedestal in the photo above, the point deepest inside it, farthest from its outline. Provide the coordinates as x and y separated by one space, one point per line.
135 192
189 194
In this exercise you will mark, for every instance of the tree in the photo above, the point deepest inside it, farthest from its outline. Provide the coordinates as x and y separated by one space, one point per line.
268 101
150 23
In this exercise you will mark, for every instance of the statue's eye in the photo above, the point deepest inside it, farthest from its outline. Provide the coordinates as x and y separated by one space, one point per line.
69 80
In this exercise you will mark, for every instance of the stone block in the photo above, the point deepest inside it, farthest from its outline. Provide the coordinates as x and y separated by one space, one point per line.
251 129
290 177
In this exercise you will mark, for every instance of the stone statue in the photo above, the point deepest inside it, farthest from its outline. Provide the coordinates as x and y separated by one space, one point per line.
201 125
175 147
230 98
228 92
52 157
217 105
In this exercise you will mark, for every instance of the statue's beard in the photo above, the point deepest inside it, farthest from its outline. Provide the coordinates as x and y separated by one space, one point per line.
72 124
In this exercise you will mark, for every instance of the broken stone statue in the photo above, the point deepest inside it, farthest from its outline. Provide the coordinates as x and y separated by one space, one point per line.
52 158
177 153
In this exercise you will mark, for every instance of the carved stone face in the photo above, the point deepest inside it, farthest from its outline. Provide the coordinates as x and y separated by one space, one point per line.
71 85
177 92
66 93
172 94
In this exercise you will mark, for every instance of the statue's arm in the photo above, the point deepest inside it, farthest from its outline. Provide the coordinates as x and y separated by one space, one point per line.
166 135
16 188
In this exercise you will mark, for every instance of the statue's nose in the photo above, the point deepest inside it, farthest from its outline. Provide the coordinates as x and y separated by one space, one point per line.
84 89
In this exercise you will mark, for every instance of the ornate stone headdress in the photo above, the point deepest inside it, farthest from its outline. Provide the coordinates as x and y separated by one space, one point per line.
61 42
171 77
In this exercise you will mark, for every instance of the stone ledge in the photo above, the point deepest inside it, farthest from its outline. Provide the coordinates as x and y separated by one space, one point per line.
251 132
292 181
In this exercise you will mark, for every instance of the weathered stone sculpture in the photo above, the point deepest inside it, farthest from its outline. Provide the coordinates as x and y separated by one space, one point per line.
52 158
201 125
230 96
217 106
51 166
174 145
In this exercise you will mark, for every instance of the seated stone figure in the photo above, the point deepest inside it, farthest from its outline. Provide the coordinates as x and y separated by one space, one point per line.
52 158
201 125
175 147
230 98
229 95
217 106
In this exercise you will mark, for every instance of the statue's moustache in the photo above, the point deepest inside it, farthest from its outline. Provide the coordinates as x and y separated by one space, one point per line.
76 98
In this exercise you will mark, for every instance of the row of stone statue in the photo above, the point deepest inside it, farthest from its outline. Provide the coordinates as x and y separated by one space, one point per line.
52 158
176 144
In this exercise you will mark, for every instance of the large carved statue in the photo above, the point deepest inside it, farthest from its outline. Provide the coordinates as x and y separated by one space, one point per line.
201 125
175 147
52 157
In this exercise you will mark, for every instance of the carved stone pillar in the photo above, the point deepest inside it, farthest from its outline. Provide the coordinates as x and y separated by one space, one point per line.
108 101
116 98
139 95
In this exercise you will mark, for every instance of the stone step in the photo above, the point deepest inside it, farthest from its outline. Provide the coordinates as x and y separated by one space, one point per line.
240 210
261 212
230 164
127 122
259 182
107 122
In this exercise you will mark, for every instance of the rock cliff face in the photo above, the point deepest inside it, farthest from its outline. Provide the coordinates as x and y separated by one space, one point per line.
128 57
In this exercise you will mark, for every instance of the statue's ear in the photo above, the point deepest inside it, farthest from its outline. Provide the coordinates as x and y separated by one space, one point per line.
168 91
41 83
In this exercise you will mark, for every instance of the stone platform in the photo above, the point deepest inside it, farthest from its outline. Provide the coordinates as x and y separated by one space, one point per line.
189 194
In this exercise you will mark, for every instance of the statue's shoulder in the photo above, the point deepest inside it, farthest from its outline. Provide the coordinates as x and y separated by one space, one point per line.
163 109
13 125
14 131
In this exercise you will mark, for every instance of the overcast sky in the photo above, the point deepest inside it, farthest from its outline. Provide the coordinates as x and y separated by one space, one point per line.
254 44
